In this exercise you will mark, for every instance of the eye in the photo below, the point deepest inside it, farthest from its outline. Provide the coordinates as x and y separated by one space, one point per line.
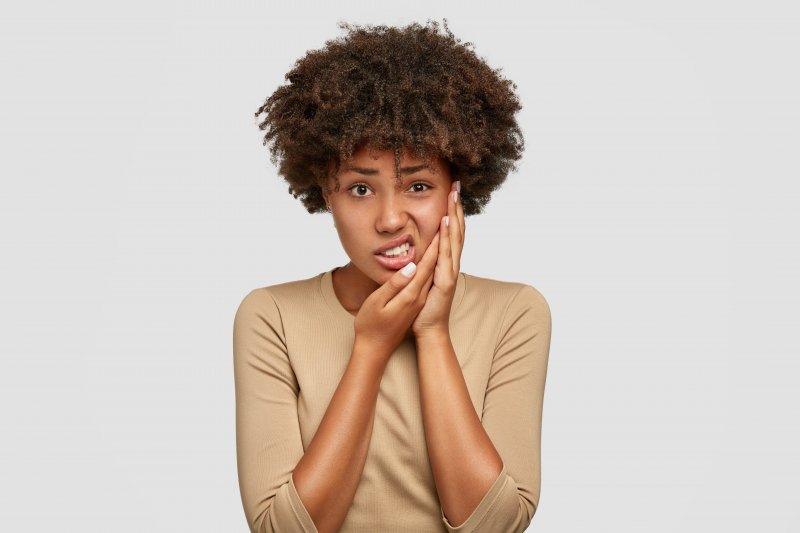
363 188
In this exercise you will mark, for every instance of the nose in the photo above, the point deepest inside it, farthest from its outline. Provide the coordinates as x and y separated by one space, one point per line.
393 216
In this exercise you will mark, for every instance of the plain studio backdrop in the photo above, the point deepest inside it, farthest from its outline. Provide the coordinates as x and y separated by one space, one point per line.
655 208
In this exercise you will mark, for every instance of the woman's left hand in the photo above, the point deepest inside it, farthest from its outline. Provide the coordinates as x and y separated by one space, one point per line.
434 317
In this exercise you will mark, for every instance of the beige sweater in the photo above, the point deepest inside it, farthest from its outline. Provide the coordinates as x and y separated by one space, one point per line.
291 345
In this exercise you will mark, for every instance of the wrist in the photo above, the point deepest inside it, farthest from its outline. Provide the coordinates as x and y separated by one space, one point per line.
433 334
371 348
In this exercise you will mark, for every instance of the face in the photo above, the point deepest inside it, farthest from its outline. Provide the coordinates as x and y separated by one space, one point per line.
370 209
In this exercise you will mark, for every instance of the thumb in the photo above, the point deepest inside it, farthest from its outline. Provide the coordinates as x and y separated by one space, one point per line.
398 281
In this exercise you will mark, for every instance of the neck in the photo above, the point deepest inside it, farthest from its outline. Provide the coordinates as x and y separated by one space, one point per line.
352 287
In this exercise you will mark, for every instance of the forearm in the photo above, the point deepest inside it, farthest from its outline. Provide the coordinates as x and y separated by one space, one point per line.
464 461
328 474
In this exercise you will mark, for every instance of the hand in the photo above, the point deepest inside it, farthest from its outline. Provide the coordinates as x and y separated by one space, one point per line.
385 316
434 317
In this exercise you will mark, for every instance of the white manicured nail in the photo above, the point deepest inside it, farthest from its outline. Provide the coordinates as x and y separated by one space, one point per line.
447 220
408 269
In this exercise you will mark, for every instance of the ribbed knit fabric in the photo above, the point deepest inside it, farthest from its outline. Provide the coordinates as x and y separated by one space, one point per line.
291 344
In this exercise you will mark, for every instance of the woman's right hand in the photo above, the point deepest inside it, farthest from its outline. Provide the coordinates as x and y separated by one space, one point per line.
386 315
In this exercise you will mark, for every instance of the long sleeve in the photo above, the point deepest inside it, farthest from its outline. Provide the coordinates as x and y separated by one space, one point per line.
268 443
512 416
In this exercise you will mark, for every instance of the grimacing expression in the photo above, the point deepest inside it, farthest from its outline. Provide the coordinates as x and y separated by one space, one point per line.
370 209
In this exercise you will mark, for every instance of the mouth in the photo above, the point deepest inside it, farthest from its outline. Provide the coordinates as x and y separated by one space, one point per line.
406 239
400 259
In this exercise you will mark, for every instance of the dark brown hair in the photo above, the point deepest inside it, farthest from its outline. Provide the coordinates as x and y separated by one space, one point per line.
391 87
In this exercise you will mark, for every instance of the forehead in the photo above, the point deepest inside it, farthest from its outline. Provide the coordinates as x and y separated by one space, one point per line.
370 161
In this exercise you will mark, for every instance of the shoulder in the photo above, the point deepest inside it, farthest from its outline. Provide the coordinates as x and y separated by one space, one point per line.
282 294
278 302
508 295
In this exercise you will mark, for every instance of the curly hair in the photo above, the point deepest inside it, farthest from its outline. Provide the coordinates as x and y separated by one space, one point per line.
390 87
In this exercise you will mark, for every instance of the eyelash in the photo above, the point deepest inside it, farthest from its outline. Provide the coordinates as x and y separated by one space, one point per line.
367 186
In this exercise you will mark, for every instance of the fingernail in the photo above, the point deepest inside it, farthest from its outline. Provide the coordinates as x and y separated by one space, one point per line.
455 197
447 220
458 185
408 269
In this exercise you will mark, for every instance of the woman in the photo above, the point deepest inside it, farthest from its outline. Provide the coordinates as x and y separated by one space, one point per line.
395 393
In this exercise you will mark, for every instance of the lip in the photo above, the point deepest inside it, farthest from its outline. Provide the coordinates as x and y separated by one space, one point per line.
395 263
396 242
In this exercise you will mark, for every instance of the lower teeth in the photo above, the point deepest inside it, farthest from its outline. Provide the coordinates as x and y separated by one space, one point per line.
396 255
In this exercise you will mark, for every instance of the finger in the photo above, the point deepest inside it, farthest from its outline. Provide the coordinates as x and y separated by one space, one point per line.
424 267
426 288
445 252
397 282
452 215
429 259
460 216
455 231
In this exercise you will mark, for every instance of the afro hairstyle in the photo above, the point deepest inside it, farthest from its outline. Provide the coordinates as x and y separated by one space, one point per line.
389 87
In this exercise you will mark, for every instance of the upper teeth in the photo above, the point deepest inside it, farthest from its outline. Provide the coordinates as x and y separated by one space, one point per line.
397 250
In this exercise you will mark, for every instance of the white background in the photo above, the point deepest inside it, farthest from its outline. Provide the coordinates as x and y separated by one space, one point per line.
655 208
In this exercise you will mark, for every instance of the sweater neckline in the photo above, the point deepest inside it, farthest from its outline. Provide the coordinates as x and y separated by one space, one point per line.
326 286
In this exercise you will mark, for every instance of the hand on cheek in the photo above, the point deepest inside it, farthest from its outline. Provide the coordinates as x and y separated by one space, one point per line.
435 315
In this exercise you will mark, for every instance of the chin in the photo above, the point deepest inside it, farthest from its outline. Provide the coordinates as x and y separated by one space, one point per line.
375 272
380 275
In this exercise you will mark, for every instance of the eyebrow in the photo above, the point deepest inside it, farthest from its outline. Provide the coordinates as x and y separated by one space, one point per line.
373 171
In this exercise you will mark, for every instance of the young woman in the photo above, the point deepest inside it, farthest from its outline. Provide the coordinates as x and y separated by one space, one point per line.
395 393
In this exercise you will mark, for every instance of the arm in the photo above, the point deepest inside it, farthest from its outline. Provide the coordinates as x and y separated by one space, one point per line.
284 489
487 470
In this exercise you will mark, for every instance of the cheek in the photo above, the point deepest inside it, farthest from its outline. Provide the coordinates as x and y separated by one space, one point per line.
428 218
349 231
354 235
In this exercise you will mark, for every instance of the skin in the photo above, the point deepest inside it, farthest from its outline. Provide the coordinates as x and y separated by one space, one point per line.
370 209
386 304
328 474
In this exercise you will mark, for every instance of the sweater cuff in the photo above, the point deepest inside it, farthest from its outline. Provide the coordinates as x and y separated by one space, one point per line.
488 506
299 509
